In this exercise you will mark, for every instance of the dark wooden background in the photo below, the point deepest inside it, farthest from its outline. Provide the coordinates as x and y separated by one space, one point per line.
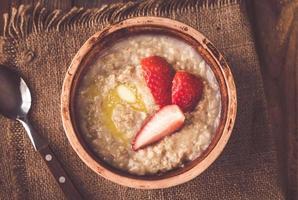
275 24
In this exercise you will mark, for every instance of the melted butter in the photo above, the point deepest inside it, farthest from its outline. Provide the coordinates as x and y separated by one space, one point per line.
111 101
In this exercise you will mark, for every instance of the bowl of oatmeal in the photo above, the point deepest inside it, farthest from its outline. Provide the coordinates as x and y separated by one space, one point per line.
148 103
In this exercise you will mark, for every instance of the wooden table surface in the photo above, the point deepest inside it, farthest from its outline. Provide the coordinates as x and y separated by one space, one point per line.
275 23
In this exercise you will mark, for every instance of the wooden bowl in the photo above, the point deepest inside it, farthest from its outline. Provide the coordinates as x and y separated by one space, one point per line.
101 40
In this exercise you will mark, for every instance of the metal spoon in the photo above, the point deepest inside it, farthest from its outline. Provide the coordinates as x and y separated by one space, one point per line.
15 103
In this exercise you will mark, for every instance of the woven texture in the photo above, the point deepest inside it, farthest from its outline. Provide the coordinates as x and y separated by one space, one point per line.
41 44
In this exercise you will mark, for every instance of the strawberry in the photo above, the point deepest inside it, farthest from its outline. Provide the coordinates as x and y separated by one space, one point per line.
187 90
158 75
167 120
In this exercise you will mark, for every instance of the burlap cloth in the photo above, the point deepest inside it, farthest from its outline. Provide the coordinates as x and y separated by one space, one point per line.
41 44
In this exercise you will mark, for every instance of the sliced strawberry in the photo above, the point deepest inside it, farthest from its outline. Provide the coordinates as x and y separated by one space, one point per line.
167 120
187 90
158 75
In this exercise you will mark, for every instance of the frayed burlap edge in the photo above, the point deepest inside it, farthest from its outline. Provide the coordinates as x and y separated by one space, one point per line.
26 19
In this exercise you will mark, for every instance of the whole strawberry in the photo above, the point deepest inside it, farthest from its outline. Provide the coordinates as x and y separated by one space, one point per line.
158 75
187 90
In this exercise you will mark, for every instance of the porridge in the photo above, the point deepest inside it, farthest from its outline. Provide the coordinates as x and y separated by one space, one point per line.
119 103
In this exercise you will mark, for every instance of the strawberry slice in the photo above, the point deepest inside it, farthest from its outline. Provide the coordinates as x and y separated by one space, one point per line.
187 90
158 75
167 120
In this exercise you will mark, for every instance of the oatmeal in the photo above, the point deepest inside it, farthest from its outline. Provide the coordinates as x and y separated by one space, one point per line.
114 101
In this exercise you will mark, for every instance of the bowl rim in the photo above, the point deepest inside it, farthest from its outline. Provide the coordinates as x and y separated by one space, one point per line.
191 173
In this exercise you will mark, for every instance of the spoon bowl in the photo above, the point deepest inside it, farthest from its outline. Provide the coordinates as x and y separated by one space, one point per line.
15 96
15 102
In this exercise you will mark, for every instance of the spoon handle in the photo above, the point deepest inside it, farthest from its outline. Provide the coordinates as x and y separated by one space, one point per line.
59 173
40 144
